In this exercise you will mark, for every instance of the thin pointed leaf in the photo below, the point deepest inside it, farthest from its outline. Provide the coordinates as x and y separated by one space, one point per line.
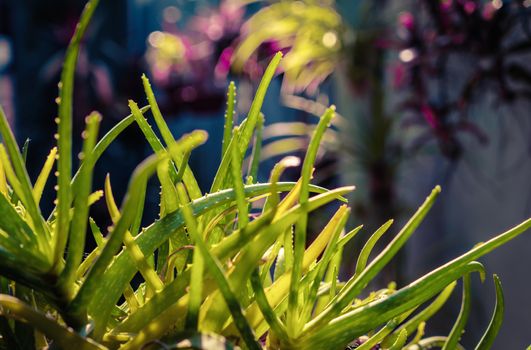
76 242
3 181
198 265
167 136
14 227
96 233
11 176
229 117
38 188
22 178
236 171
64 134
169 199
188 177
257 148
497 318
347 237
25 148
247 126
367 248
94 197
196 288
301 227
269 314
112 207
247 130
460 323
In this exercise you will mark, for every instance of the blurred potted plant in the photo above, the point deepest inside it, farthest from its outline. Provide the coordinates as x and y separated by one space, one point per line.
318 41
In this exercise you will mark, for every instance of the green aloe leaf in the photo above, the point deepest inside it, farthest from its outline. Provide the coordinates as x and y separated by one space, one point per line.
65 337
277 291
270 316
337 224
38 188
196 290
188 177
347 237
76 243
229 117
19 176
64 134
236 172
4 188
293 323
497 318
367 248
459 325
105 142
257 148
248 128
153 281
251 255
167 136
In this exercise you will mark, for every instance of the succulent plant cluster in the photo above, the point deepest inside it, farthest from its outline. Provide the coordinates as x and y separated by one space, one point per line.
227 269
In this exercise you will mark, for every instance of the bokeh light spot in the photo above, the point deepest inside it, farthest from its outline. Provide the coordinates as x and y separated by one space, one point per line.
407 55
171 14
330 39
155 38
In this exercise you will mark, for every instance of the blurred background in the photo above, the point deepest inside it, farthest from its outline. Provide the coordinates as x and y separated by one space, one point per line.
427 92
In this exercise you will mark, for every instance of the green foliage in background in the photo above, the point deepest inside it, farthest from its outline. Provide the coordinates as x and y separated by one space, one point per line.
223 270
312 31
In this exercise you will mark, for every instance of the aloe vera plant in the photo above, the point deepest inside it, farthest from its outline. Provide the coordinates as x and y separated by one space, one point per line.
227 269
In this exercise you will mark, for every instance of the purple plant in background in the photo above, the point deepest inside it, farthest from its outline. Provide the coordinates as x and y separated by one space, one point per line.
191 65
479 45
482 46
